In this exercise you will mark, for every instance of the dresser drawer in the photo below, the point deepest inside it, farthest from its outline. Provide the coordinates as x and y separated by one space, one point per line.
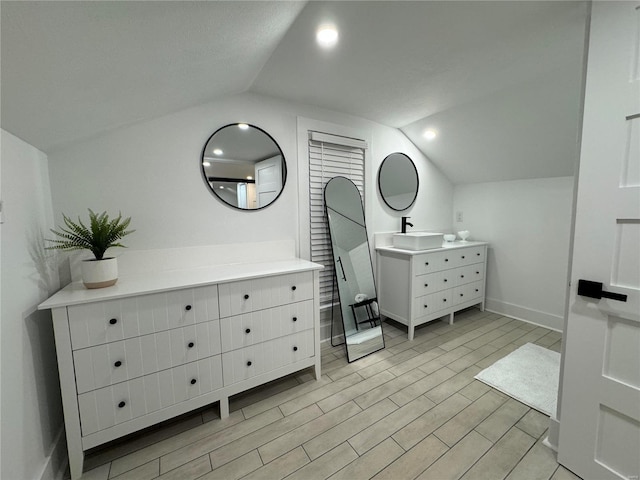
109 406
469 292
251 295
468 274
109 321
255 327
435 262
432 303
244 363
470 255
115 362
433 282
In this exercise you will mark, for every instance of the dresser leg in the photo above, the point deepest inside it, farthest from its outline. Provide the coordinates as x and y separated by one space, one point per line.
451 318
76 461
318 370
224 407
411 331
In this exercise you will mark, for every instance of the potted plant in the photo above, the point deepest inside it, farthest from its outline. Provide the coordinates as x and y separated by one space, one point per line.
101 234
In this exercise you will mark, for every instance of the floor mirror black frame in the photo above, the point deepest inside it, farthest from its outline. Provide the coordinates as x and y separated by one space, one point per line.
359 309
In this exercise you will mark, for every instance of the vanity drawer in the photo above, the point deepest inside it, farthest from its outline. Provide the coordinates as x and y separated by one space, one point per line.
468 274
435 262
469 292
244 363
102 322
433 282
470 255
115 362
432 303
255 327
251 295
109 406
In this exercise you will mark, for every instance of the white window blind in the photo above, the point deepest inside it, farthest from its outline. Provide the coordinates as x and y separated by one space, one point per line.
329 156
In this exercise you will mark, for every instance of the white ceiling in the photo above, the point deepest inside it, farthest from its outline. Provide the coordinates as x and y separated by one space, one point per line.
500 81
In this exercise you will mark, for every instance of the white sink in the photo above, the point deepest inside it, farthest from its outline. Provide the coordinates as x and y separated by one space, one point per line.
417 240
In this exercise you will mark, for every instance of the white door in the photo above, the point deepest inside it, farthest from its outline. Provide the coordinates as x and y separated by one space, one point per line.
268 180
599 415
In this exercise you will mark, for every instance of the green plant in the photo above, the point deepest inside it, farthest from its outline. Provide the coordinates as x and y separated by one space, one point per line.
101 234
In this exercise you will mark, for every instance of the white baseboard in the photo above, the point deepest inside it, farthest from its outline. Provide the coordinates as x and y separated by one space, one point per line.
536 317
57 461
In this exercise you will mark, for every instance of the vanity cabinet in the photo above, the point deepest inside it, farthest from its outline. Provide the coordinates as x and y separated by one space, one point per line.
415 287
141 352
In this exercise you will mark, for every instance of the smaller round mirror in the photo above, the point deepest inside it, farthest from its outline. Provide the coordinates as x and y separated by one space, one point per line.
243 166
398 181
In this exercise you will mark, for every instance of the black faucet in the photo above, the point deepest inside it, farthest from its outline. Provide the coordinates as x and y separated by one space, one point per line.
405 223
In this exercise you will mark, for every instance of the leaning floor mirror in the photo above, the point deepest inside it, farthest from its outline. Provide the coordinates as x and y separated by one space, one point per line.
353 269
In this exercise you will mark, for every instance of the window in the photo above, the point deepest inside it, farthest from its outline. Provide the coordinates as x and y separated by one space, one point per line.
329 156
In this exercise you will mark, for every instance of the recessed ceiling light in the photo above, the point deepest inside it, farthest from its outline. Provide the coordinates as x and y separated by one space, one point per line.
243 126
327 36
206 164
217 151
249 177
430 134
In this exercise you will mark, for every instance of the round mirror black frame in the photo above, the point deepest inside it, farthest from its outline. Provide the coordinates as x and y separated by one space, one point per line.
387 160
206 178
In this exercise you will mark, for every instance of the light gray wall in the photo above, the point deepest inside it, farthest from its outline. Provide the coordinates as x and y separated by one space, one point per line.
150 171
30 412
528 226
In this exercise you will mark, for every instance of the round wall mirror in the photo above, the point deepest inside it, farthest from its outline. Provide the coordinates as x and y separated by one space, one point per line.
398 181
243 166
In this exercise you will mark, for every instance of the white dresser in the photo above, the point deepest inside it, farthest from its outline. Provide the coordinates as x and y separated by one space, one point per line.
156 346
415 287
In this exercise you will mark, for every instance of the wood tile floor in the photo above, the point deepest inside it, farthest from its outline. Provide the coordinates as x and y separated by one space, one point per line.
410 411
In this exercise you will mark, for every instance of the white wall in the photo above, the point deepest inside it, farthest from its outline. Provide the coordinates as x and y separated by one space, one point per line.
150 171
527 223
432 208
31 410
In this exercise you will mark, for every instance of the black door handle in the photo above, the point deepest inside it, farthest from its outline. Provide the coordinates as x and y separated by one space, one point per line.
587 288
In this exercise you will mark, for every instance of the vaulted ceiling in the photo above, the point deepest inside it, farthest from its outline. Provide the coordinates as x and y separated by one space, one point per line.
499 81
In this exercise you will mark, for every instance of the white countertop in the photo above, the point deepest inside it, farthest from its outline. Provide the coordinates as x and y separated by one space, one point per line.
75 293
445 246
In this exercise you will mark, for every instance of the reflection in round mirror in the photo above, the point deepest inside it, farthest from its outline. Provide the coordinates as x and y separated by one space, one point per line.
398 181
243 166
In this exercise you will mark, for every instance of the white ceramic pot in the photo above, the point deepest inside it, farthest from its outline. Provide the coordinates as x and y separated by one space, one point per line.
99 273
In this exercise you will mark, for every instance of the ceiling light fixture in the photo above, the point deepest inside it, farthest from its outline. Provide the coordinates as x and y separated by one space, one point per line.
249 177
217 151
430 134
327 36
243 126
206 164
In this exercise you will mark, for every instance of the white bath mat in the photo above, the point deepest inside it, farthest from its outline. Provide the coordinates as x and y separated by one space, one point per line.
528 374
